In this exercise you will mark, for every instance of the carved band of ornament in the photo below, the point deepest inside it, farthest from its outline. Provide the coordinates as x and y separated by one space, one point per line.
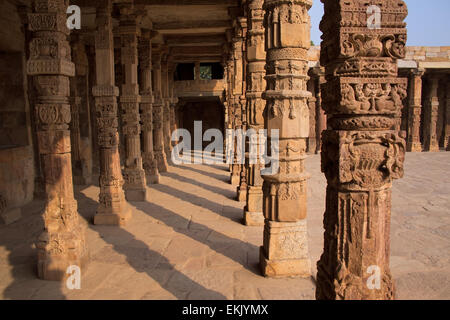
286 95
52 22
364 95
384 44
367 159
108 138
293 54
53 114
362 123
51 67
106 109
105 123
50 48
131 130
373 67
130 99
110 181
105 91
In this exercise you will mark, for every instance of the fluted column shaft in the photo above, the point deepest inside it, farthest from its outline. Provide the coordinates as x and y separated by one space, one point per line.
62 243
285 249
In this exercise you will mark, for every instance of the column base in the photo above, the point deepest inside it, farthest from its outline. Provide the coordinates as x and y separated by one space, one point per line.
434 149
284 268
54 267
241 194
153 179
235 180
253 219
414 147
161 160
113 218
136 194
285 250
10 216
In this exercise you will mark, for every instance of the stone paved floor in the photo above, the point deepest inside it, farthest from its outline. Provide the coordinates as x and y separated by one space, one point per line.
187 241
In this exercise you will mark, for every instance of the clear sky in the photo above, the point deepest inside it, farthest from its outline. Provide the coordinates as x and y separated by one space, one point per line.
428 22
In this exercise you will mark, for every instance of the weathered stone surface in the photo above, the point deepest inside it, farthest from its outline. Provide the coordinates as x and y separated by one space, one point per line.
363 149
284 203
62 243
112 209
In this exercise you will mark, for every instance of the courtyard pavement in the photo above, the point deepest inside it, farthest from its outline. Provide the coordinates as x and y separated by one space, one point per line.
187 241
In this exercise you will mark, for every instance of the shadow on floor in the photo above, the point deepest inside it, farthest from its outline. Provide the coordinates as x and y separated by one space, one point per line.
221 177
227 193
151 262
19 240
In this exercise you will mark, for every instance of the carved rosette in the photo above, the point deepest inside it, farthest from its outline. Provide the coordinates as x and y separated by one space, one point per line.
287 26
363 151
63 242
112 209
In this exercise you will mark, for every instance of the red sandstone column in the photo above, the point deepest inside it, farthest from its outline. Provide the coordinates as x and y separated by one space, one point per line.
148 156
133 173
158 113
415 111
113 209
256 84
431 142
80 128
62 243
362 151
285 249
312 104
237 92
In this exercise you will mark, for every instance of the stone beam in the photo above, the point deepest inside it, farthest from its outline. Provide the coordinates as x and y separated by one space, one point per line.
186 25
195 40
196 51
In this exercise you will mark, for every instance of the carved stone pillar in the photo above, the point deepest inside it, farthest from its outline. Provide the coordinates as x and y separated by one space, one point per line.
415 111
173 104
362 150
321 117
158 113
168 70
431 142
62 243
285 250
134 174
237 92
113 209
256 58
80 127
148 156
312 104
